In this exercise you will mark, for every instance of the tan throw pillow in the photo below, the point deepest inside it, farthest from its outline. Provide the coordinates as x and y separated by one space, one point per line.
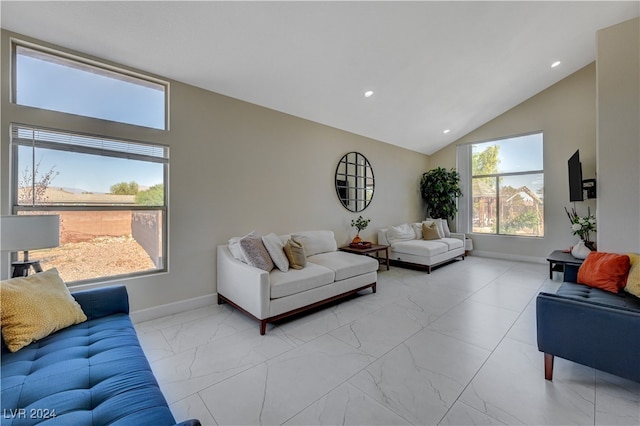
633 280
430 232
295 254
36 306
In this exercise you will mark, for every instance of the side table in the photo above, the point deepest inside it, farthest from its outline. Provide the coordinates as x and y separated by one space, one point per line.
375 248
558 259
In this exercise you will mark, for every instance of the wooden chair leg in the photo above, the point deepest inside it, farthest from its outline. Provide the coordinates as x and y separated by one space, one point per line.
548 366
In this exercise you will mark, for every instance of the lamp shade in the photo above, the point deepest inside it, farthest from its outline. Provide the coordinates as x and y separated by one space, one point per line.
27 232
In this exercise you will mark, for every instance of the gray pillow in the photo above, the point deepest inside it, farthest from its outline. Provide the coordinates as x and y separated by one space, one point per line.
255 252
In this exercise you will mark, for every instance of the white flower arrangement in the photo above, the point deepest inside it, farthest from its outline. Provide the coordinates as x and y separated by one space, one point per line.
582 226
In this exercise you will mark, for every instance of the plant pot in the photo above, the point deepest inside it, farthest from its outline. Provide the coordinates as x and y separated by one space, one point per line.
580 250
356 239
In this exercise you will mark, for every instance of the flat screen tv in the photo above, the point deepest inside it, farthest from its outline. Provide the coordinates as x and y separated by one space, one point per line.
575 178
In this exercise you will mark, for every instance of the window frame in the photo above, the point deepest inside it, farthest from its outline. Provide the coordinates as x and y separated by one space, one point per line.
469 177
16 142
15 43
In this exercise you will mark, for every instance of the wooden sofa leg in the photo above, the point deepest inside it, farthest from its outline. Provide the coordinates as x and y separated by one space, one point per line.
548 366
263 327
373 287
220 300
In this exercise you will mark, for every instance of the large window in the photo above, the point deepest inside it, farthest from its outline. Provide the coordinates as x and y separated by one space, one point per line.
504 186
58 82
110 195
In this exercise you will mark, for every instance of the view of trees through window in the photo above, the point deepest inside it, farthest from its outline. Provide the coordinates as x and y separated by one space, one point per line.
507 186
111 202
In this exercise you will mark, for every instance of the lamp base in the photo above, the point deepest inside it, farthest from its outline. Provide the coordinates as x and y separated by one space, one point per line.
21 269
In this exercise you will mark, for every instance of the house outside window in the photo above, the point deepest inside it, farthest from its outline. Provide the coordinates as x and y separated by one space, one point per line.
505 181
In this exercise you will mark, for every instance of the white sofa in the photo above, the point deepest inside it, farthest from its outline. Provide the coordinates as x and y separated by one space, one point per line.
406 244
268 296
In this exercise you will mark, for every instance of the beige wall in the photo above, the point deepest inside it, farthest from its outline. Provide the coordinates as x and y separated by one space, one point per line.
566 114
236 167
618 137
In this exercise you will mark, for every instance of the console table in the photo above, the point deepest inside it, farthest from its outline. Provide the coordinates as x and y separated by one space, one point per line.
558 259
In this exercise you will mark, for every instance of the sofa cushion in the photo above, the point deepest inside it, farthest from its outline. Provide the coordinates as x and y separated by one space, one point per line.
36 306
91 373
402 232
453 243
607 271
421 247
234 246
315 242
345 265
299 280
633 280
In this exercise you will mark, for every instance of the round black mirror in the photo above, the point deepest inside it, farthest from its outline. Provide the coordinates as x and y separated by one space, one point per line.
355 183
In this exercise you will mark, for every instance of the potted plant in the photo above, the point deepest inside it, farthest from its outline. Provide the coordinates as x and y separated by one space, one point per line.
360 224
439 189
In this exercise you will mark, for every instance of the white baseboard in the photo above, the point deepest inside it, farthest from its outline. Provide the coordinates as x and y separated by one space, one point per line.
507 256
149 314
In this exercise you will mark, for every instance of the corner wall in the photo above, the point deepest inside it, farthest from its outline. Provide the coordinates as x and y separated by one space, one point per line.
618 137
566 114
236 167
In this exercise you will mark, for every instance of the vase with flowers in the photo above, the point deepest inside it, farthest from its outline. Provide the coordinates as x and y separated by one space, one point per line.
360 224
582 226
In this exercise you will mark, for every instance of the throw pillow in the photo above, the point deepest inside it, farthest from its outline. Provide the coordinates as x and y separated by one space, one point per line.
402 232
607 271
438 223
430 232
255 252
275 247
315 242
445 228
417 229
36 306
633 280
295 254
234 246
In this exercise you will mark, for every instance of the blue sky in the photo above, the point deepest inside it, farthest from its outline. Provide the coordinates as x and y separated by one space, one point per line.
45 84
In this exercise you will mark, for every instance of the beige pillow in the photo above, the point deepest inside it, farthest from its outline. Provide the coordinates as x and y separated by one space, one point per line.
36 306
295 254
430 231
633 279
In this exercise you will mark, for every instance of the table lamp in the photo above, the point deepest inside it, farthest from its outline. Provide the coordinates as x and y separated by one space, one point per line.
28 232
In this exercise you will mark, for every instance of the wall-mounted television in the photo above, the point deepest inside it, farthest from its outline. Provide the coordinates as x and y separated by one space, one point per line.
575 178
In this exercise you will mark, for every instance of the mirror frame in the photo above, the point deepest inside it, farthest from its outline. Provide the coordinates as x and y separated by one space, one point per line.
354 182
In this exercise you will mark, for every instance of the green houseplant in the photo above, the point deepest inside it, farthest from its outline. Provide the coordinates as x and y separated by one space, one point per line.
439 189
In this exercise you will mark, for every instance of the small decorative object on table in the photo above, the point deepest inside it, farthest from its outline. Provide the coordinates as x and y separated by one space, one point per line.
582 227
360 224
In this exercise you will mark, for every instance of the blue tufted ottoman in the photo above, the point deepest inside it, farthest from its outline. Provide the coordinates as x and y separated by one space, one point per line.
590 326
93 373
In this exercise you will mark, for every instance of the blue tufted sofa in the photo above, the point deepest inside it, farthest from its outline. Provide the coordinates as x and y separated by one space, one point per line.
589 326
93 373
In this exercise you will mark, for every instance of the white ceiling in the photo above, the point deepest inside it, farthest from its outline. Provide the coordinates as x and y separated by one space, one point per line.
432 65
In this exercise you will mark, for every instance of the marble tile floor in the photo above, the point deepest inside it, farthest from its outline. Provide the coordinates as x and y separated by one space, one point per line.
454 347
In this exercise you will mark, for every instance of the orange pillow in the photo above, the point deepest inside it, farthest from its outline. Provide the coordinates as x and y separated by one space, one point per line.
607 271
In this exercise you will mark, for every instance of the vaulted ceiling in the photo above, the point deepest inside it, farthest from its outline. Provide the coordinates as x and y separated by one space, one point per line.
431 66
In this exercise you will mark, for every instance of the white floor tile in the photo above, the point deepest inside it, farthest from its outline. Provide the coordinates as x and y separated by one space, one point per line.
454 347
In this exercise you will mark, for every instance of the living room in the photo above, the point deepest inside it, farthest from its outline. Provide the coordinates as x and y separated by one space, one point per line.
237 167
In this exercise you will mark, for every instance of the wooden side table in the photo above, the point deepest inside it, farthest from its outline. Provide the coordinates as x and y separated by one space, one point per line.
375 248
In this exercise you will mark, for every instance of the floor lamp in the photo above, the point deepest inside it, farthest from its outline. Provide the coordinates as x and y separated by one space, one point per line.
28 232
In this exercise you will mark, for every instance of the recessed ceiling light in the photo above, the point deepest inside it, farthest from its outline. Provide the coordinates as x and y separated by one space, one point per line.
446 131
368 93
555 64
